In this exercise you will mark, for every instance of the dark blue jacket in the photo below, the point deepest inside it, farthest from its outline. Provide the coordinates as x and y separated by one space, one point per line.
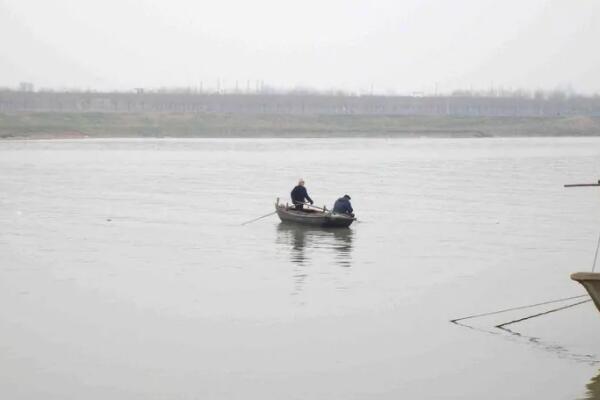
300 195
342 206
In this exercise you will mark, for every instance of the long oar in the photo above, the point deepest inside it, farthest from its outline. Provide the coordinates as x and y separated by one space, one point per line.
323 209
256 219
310 205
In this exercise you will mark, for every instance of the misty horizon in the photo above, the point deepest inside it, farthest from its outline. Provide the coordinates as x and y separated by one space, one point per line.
384 48
262 88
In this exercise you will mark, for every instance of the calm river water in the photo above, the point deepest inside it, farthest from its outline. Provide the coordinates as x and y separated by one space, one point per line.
125 273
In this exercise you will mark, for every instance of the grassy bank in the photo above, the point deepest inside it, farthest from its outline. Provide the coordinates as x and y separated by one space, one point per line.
103 125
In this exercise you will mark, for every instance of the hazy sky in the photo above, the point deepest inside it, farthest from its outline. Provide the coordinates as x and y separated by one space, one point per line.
394 45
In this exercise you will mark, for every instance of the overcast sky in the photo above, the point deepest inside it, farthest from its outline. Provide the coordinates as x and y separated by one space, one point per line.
393 45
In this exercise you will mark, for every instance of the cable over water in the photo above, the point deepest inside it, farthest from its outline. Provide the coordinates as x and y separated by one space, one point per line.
542 313
516 308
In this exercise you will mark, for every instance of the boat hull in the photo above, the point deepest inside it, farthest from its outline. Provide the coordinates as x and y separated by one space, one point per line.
313 218
591 283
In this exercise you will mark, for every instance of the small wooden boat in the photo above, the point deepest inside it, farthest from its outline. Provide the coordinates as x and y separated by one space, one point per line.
313 216
591 283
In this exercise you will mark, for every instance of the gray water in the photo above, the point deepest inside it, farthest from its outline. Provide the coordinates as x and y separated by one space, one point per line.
125 273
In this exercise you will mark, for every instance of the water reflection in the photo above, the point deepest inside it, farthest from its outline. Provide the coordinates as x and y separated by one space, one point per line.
554 348
593 388
308 246
306 242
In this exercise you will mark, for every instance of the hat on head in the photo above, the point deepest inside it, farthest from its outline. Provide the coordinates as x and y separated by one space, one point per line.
348 197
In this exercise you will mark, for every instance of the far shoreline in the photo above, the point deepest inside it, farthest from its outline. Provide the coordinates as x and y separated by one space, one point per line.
53 126
378 137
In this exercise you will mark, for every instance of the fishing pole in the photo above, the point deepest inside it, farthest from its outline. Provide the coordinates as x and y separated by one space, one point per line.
581 184
598 245
596 255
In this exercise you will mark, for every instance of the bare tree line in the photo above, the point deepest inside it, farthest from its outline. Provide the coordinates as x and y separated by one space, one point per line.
186 100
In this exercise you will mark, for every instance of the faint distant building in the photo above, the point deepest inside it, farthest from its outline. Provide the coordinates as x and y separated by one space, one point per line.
139 90
26 87
100 104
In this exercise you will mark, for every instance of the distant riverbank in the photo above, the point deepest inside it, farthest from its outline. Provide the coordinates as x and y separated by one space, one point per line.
209 125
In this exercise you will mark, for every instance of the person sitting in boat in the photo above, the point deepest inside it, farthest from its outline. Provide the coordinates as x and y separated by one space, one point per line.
343 206
300 195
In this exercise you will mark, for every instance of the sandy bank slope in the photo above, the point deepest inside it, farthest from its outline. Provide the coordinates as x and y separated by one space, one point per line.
76 125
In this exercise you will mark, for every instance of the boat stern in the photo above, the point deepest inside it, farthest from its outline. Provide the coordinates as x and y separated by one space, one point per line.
591 283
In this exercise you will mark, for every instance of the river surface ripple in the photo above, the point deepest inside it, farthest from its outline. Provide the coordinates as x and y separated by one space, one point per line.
125 273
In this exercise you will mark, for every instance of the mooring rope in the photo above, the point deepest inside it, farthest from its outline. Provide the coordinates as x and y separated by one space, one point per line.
516 308
502 325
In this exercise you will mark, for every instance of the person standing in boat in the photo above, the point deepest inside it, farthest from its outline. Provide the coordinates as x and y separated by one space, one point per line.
300 195
343 206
